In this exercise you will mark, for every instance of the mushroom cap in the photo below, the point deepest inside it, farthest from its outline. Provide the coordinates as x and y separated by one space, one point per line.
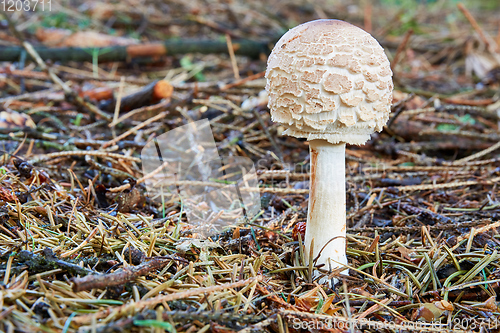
330 80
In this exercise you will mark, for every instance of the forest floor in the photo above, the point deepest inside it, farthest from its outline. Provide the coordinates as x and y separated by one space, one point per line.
84 246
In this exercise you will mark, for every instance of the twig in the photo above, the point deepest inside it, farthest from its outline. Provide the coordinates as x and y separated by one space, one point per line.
269 136
122 275
134 129
213 25
490 42
118 102
219 185
82 244
107 170
473 110
419 158
438 226
35 95
399 108
474 232
140 180
469 102
46 157
478 154
367 16
441 186
124 53
154 107
234 65
401 48
371 206
462 133
425 213
76 77
243 81
147 95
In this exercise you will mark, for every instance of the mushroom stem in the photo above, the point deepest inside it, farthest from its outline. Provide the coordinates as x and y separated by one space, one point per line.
326 218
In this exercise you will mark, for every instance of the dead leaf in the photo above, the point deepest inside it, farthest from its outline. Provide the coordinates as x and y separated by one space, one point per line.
430 312
311 299
300 228
491 304
14 119
408 254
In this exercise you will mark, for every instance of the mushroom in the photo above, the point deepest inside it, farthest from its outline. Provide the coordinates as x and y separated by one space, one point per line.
330 83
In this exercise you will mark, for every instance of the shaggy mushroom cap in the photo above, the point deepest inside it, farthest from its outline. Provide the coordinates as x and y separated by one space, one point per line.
328 79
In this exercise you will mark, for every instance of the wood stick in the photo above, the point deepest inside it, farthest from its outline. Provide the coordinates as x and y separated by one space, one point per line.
150 94
401 48
234 64
134 129
140 110
368 16
243 81
118 101
470 102
490 42
97 94
122 275
474 232
102 154
82 244
124 53
477 155
425 187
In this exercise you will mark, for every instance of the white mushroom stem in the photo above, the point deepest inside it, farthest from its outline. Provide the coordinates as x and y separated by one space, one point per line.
326 218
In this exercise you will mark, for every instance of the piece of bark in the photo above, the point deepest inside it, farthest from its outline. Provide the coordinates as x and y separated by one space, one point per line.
148 95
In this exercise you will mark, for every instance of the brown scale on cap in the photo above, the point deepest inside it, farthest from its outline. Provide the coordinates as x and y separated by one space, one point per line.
328 79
